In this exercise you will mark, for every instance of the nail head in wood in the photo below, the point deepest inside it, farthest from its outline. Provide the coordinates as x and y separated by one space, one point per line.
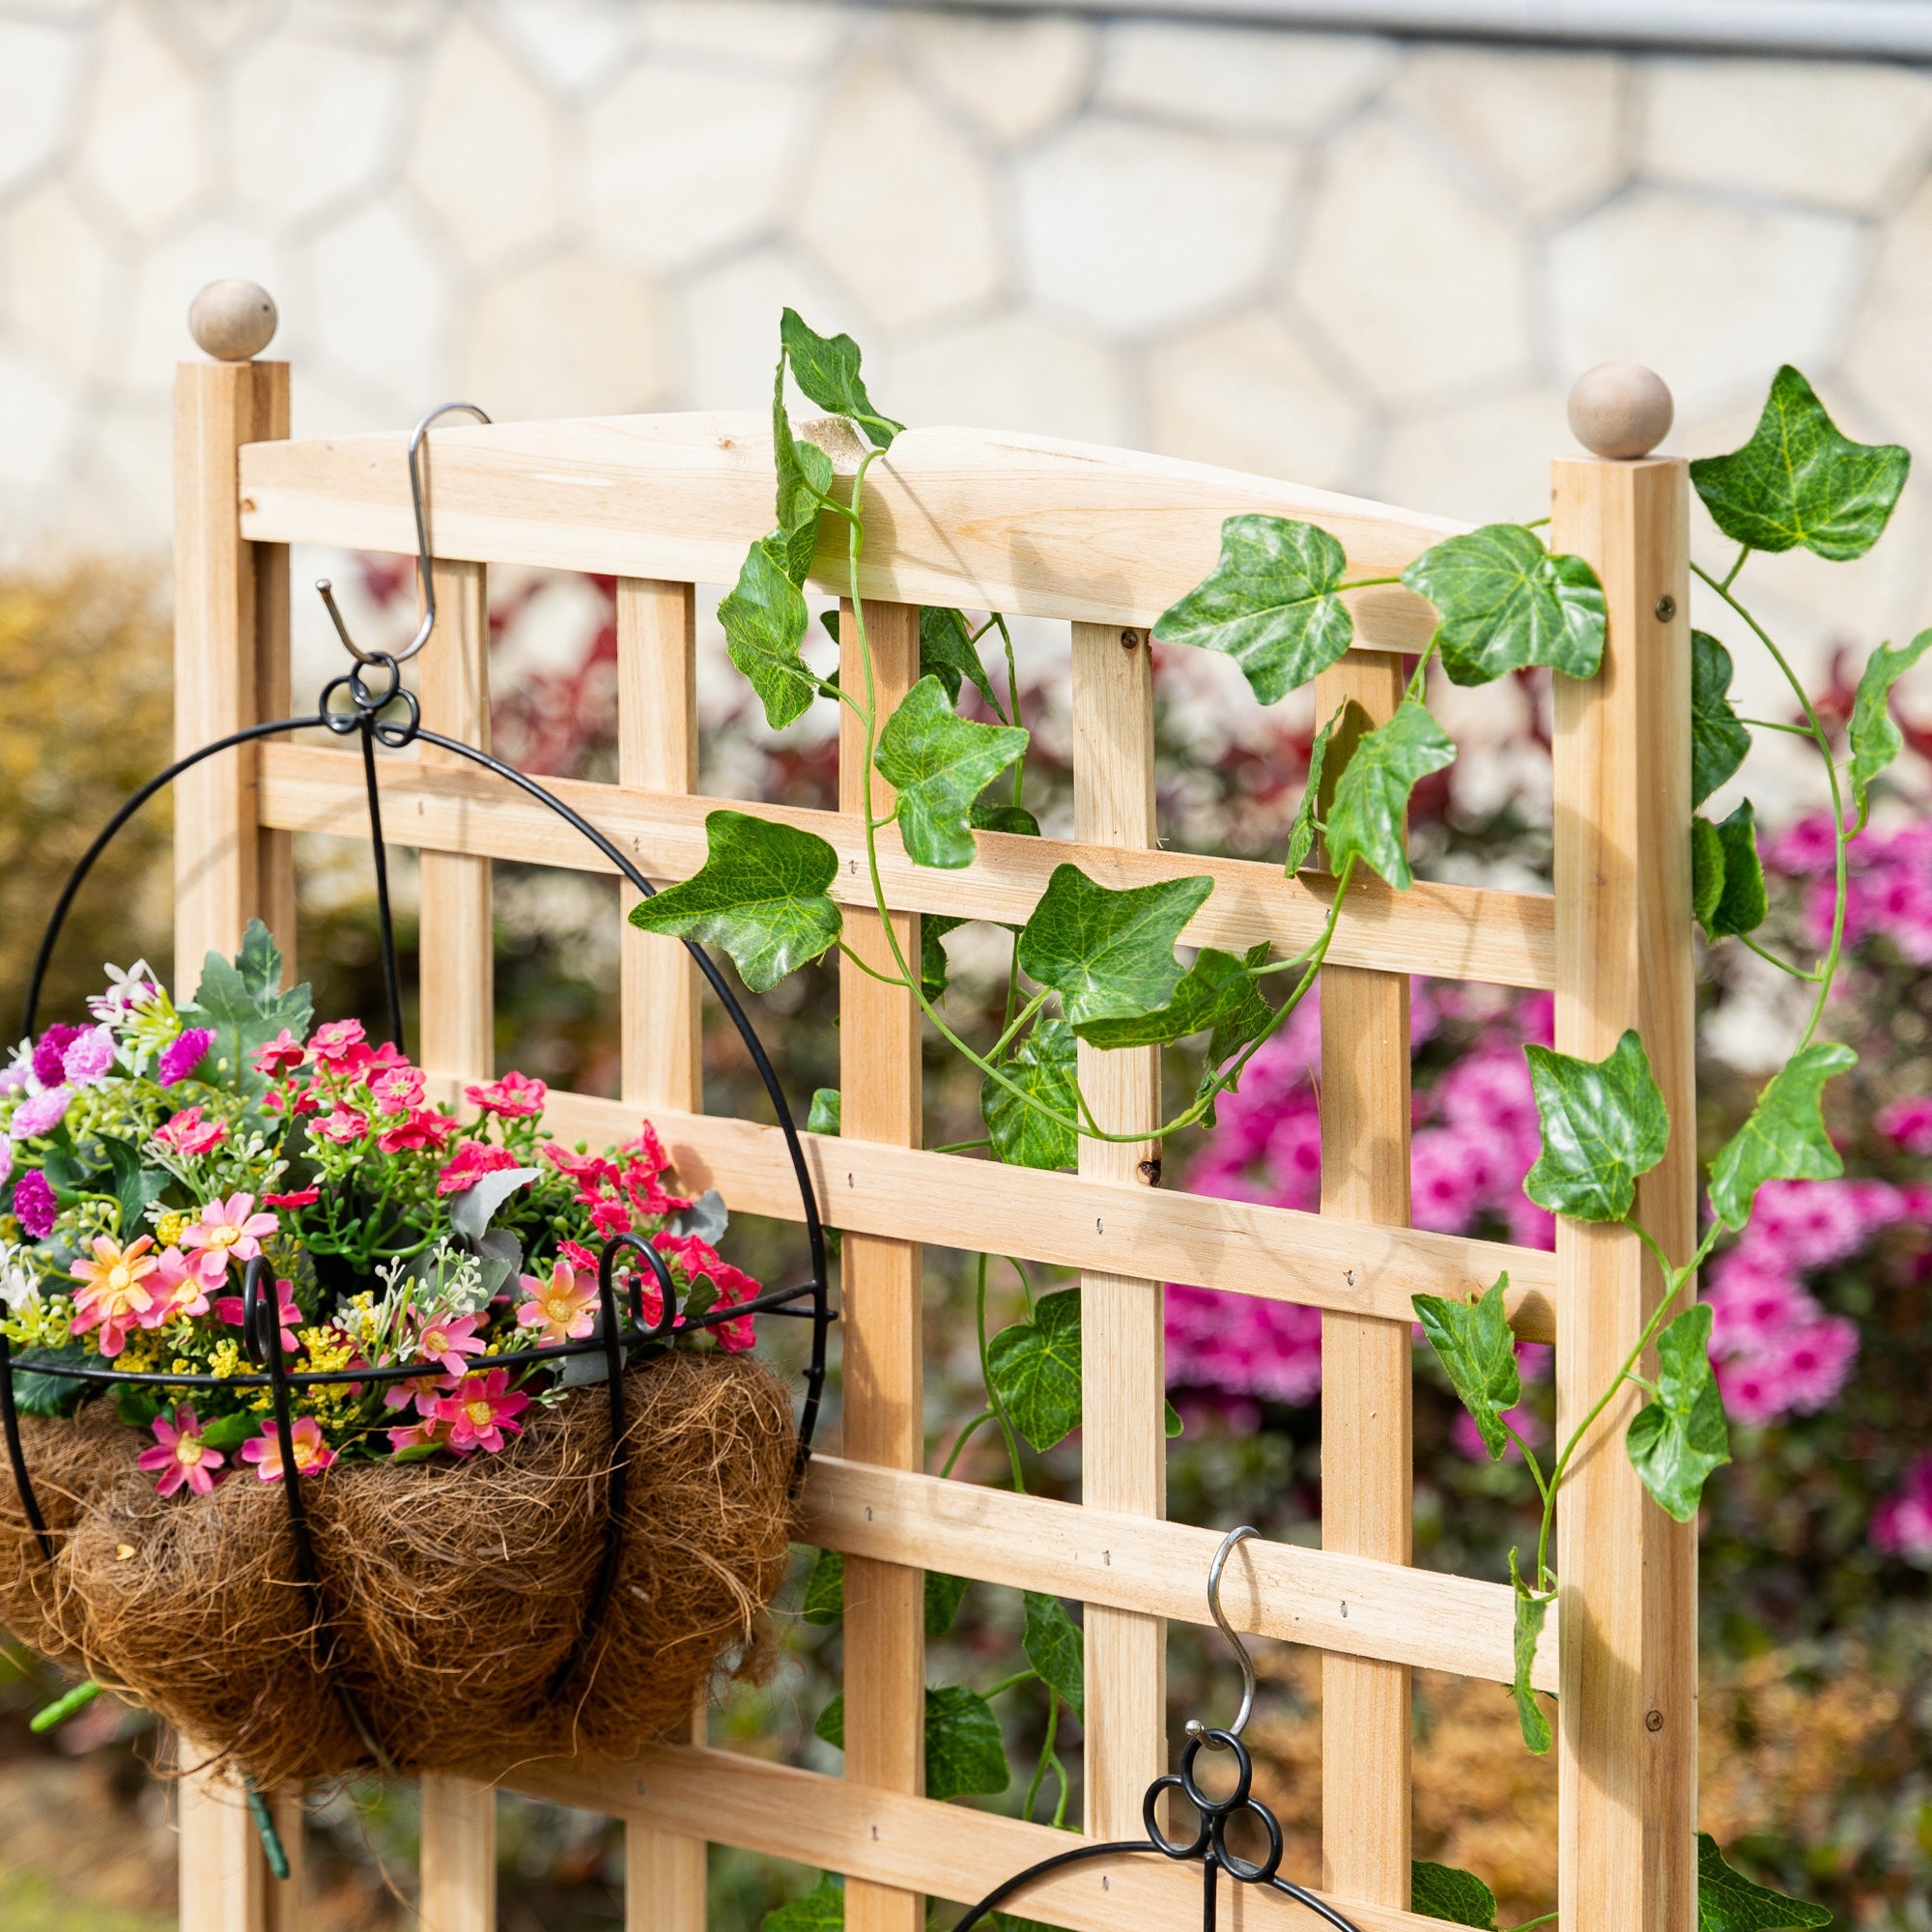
1620 410
233 320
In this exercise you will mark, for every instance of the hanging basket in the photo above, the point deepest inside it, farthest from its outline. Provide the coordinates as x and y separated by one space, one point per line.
573 1592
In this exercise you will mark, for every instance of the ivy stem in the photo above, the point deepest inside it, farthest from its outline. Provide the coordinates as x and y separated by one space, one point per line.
1046 1753
1731 575
1006 1684
1771 725
1783 965
964 1436
1545 1920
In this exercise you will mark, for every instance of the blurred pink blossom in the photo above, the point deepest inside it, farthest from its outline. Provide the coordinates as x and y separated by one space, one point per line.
1902 1524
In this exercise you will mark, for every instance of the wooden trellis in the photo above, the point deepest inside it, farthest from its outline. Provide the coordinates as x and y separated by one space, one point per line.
1102 540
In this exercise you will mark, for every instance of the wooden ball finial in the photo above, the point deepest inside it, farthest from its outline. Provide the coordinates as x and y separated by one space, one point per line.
1620 410
233 320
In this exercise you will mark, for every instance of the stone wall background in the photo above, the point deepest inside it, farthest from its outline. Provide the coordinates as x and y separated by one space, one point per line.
1347 260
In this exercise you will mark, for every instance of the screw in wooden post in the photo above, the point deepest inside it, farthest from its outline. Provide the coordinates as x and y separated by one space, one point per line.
1620 410
233 320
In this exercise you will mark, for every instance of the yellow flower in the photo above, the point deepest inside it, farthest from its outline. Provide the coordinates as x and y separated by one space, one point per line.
225 1361
182 1366
168 1228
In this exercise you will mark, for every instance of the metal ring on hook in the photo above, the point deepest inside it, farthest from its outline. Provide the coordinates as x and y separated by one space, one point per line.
1196 1730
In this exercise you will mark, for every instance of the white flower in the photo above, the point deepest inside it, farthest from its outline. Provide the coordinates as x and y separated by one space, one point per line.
125 991
19 1284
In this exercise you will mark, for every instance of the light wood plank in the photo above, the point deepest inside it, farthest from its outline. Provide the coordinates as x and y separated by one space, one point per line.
218 406
459 1855
1124 1351
1059 1218
881 1319
1352 1605
457 946
888 1839
1030 525
1367 1446
224 1881
1454 932
1628 1792
657 748
287 1896
274 696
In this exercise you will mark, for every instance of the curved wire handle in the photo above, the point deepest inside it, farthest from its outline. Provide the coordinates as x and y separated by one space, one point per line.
1195 1728
425 580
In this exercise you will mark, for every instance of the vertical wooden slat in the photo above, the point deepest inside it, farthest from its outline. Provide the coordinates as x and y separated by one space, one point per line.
880 1316
1626 1611
225 1879
1367 1456
656 747
218 883
459 1856
457 945
1124 1393
284 1905
274 695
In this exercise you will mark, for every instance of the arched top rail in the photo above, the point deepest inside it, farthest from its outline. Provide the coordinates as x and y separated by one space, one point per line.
981 519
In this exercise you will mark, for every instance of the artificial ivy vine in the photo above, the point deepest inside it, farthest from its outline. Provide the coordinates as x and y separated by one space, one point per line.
1098 964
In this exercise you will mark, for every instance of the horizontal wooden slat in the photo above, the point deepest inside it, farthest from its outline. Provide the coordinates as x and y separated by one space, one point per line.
1451 932
1029 525
1352 1605
950 1200
917 1843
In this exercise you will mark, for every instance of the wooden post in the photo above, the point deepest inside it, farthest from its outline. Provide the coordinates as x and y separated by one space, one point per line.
1367 1374
657 748
1124 1351
231 655
881 1319
1626 1611
457 972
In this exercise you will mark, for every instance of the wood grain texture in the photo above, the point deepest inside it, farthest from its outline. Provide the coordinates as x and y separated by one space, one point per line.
276 851
888 1839
881 1319
1351 1604
1367 1437
1627 1793
218 884
1452 932
458 927
223 1882
1030 525
1124 1351
459 1855
1059 1218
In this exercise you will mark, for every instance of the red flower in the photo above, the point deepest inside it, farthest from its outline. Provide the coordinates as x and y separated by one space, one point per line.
645 1160
423 1130
339 1046
306 1197
281 1055
733 1285
513 1096
473 1159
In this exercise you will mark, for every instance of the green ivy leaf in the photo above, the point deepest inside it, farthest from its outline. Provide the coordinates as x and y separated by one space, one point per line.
933 966
804 477
822 1909
1729 1902
1108 954
1530 1611
944 1595
1171 1423
1785 1138
1269 603
825 1590
1218 991
1448 1892
1033 1367
765 621
760 894
1044 1070
947 652
1301 833
939 763
1874 738
827 1108
38 1393
826 369
965 1751
1719 741
1473 1342
1053 1646
1603 1124
1799 481
1365 816
1678 1436
1504 603
1011 818
1728 877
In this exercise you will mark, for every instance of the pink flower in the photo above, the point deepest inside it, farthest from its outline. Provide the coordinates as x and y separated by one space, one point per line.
88 1058
577 1256
6 1159
35 1205
1242 1346
179 1287
50 1054
182 1055
1902 1524
563 1308
228 1229
281 1055
481 1411
644 1161
1909 1123
472 1160
188 1134
448 1342
423 1131
230 1309
181 1455
1454 1175
733 1285
398 1090
344 1126
41 1115
338 1045
305 1197
422 1390
431 1433
513 1096
115 1295
311 1453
